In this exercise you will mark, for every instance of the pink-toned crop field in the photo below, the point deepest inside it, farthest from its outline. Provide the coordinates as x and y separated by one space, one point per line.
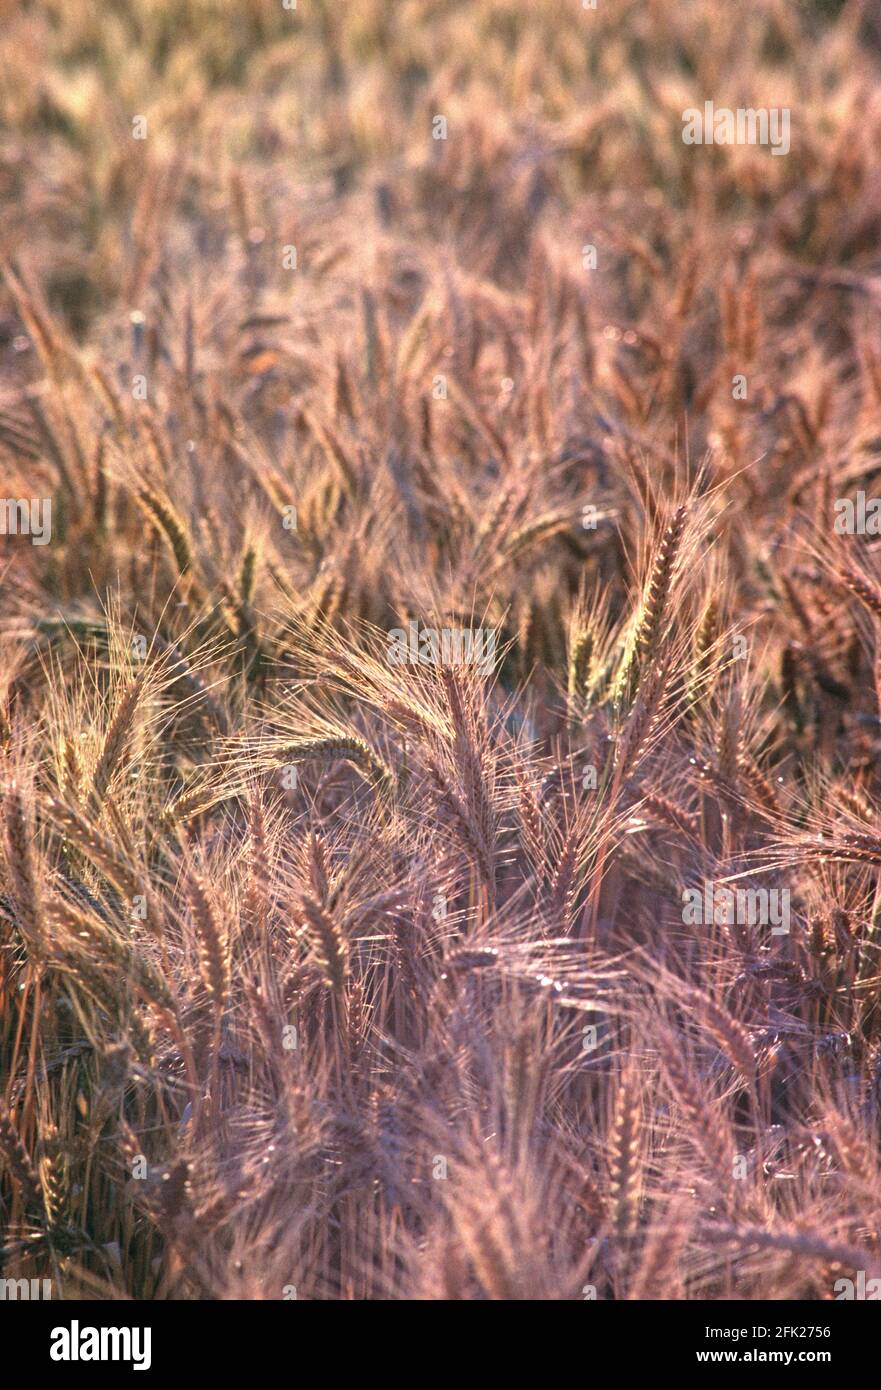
440 649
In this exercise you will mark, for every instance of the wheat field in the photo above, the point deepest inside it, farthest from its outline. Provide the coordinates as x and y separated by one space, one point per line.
440 650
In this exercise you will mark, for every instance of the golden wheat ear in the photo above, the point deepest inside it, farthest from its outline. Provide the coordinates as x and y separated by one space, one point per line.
643 643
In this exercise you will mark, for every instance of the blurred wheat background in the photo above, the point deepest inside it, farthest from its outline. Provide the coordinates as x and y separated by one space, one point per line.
327 977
